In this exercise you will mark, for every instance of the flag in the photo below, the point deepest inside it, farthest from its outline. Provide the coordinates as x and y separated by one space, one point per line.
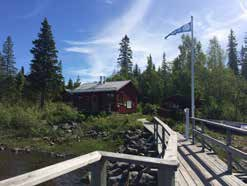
185 28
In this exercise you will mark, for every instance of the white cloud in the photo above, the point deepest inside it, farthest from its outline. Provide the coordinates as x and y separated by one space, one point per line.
147 29
108 2
79 50
103 49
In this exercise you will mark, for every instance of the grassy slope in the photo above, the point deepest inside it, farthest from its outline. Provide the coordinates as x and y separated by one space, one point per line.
112 124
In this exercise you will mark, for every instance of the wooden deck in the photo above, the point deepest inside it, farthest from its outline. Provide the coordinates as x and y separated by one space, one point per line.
199 168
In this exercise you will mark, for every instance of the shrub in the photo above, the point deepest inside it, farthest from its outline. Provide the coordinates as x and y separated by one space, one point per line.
5 116
150 109
56 113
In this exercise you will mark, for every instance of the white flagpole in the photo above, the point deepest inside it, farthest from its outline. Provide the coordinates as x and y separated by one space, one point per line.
192 71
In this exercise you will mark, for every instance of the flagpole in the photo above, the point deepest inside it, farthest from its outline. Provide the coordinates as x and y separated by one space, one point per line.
192 70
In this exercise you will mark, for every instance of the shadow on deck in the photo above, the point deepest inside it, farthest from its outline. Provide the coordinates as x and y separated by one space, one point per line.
200 168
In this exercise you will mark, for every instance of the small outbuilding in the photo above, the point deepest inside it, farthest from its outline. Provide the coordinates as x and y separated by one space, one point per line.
114 96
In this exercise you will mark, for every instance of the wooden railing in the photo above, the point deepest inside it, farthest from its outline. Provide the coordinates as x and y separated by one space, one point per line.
166 139
96 162
227 145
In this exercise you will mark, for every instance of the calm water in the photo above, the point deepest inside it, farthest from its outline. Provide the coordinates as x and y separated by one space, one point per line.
12 164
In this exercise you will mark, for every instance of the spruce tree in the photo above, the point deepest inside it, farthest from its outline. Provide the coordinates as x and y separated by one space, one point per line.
20 83
164 74
70 85
77 82
9 68
164 66
45 77
125 57
1 65
136 71
243 62
232 53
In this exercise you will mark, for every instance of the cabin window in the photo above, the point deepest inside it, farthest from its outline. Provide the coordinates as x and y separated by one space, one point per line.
129 104
121 99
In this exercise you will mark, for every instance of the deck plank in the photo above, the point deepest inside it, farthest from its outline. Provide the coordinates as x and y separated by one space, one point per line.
200 168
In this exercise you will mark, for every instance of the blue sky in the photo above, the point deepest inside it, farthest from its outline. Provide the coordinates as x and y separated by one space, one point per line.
87 32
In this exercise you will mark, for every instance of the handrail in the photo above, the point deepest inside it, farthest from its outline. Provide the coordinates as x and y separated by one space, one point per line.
235 129
53 171
227 146
166 169
169 148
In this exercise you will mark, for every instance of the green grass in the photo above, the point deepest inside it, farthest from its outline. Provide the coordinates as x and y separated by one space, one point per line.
114 125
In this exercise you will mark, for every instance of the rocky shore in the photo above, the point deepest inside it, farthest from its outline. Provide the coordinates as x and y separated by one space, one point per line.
138 142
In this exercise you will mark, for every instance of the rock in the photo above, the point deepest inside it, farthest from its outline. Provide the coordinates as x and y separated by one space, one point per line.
69 131
3 147
16 150
122 165
131 150
65 126
85 179
55 127
73 124
146 179
133 175
115 180
60 155
27 149
121 149
115 172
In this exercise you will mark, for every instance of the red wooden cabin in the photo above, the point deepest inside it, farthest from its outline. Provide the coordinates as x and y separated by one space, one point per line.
114 96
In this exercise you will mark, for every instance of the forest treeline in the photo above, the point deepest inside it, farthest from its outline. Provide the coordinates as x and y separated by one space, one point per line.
220 75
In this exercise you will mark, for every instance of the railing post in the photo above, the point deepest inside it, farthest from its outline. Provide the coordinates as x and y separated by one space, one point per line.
99 174
187 123
202 138
193 133
163 141
229 154
166 176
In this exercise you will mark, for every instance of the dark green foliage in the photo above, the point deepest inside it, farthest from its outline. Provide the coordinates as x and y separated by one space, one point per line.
232 53
243 59
46 73
151 84
77 82
70 85
9 68
150 109
125 57
1 66
20 83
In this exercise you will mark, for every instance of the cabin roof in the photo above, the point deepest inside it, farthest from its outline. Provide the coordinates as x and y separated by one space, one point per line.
101 87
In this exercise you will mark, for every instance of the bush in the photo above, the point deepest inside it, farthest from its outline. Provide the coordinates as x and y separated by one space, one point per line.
150 109
56 113
5 116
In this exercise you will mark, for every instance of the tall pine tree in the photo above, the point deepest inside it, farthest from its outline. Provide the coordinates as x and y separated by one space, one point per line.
136 71
1 65
232 53
45 76
70 85
243 59
164 72
20 83
9 68
125 57
77 82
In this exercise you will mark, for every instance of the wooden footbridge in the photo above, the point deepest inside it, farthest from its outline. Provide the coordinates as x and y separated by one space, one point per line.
182 161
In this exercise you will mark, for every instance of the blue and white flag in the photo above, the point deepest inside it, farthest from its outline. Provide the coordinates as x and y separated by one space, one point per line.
185 28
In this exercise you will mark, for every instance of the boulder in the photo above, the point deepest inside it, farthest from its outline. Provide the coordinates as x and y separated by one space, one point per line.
115 172
122 165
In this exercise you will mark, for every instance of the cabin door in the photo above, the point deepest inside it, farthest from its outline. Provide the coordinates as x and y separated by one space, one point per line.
95 104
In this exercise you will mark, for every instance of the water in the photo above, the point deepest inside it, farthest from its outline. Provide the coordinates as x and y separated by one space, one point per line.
12 164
